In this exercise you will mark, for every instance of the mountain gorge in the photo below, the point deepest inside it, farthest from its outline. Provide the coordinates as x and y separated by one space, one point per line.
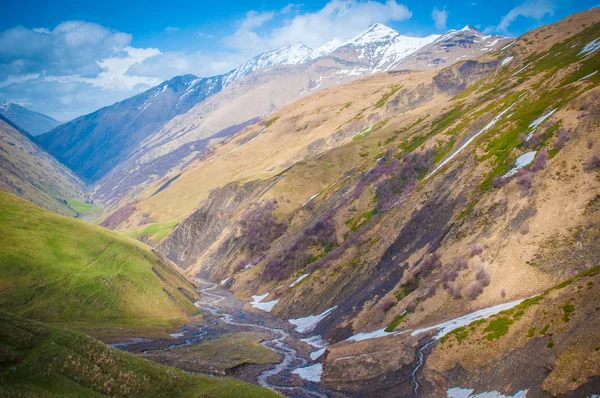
379 217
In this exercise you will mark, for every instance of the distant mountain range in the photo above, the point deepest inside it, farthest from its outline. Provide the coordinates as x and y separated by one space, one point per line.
125 146
33 122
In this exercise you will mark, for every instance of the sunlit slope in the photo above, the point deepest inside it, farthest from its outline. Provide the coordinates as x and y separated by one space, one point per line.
62 270
43 361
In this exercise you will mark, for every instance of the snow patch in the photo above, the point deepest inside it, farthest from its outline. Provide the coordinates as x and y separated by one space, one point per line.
257 303
307 324
224 281
521 70
457 392
506 60
177 335
448 326
310 373
315 341
317 354
487 127
590 75
590 47
300 278
541 119
521 162
311 198
370 335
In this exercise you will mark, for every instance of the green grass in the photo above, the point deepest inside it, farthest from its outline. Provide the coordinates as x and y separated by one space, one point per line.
545 329
230 350
395 322
364 218
63 270
155 232
385 97
531 331
497 328
43 361
269 122
568 309
89 210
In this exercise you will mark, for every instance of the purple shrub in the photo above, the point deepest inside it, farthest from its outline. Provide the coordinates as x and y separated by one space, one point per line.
534 139
593 163
455 290
411 306
541 160
387 304
259 227
498 182
483 276
475 250
525 181
590 143
474 290
563 138
503 293
524 229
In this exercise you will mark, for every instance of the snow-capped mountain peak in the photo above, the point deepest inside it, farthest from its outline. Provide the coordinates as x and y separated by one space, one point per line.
4 105
376 33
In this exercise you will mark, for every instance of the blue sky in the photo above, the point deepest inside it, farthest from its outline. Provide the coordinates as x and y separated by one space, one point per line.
72 57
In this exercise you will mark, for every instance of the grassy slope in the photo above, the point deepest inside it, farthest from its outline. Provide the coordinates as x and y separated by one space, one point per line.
27 170
63 270
43 361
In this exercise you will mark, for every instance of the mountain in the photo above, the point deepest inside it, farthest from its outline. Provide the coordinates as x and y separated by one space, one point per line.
438 229
30 172
124 147
63 270
32 122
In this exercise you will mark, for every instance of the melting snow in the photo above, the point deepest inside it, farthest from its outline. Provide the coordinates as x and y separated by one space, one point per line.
521 162
448 326
224 281
488 126
370 335
458 392
307 324
181 334
310 373
508 45
268 306
311 198
590 75
317 354
540 119
300 278
506 60
590 47
521 70
315 341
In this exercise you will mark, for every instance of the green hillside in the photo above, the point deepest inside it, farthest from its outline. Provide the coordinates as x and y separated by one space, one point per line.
41 361
62 270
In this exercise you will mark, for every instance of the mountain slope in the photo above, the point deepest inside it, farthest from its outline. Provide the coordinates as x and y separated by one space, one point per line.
122 158
444 193
28 171
32 122
44 361
62 270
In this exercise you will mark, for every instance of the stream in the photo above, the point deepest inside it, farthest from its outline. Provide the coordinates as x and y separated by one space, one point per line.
210 298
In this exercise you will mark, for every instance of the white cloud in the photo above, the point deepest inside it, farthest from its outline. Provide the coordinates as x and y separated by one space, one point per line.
439 18
170 29
337 19
536 9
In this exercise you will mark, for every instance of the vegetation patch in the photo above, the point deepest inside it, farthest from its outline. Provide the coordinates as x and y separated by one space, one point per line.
385 97
497 328
395 322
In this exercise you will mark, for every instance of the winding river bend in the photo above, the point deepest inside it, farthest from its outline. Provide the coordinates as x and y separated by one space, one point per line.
212 298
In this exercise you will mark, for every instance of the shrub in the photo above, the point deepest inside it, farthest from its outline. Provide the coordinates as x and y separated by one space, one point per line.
524 229
259 227
541 160
593 163
475 250
503 293
563 137
498 181
525 181
590 143
386 304
483 276
474 290
455 290
534 139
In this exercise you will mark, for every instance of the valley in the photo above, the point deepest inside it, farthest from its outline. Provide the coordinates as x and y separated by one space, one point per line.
382 216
